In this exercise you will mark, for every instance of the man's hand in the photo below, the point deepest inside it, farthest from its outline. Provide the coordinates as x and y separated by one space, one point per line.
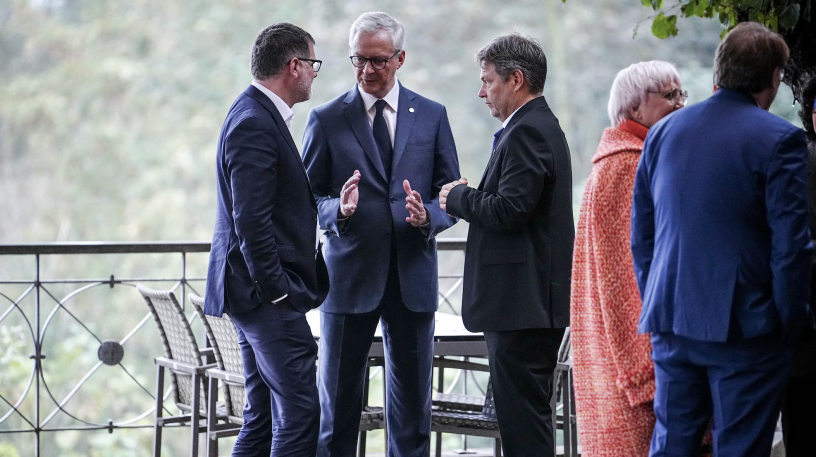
349 196
417 216
443 194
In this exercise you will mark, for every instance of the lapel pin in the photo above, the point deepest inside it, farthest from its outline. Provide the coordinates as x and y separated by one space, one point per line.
410 110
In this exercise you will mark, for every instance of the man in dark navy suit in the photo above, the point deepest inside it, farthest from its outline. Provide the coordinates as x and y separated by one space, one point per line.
377 157
519 259
263 268
722 254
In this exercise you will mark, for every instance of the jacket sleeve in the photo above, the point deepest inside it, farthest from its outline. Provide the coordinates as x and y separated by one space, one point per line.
618 290
446 169
317 160
643 222
527 167
251 156
791 249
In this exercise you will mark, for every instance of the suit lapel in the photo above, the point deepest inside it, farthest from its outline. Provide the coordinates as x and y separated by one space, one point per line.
405 120
356 115
261 98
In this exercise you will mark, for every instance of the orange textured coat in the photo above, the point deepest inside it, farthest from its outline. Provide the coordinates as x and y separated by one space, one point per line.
613 370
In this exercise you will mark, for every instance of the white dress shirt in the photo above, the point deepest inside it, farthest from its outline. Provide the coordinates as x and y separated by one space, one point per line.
389 112
286 113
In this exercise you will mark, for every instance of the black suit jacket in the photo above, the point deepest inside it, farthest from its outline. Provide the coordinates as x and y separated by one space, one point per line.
266 218
519 250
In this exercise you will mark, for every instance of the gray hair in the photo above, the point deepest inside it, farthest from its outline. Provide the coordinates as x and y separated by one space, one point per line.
276 46
513 52
632 83
373 22
746 59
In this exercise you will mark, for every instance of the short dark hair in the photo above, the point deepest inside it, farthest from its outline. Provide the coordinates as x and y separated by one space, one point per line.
275 47
806 113
748 56
513 52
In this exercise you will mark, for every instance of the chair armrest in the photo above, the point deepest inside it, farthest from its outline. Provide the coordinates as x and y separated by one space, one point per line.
228 376
206 352
182 367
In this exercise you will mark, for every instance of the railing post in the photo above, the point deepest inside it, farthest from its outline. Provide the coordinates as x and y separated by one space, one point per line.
37 357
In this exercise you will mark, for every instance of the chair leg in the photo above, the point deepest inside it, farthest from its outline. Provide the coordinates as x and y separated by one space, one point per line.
195 416
497 451
573 422
157 430
440 382
211 444
361 444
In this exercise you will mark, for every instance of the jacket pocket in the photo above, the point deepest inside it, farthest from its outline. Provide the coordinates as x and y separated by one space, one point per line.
286 253
502 256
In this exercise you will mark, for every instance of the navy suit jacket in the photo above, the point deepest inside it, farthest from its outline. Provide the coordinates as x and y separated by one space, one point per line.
720 222
339 140
266 219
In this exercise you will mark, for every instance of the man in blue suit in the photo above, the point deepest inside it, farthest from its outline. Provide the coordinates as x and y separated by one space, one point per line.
722 253
263 268
377 157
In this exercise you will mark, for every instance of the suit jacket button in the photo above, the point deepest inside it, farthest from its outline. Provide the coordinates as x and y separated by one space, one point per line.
387 235
393 200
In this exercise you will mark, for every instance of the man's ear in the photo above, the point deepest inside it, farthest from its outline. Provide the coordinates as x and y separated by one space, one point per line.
518 80
294 67
776 78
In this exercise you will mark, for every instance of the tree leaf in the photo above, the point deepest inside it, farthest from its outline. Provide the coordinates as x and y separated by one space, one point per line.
695 8
664 26
789 16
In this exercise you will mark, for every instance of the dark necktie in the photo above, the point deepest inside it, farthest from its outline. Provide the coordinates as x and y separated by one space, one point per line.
496 138
382 137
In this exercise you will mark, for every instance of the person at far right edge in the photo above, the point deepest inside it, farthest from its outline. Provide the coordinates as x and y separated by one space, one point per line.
799 403
722 254
519 257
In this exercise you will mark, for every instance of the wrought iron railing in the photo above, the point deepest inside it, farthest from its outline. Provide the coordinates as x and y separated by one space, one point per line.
55 317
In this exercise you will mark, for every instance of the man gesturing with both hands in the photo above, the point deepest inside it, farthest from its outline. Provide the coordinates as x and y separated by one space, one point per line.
377 157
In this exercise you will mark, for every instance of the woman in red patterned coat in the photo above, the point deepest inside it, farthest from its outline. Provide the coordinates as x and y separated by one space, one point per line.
613 370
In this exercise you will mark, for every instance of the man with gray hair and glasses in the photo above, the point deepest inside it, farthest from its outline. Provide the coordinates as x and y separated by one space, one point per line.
722 254
377 157
519 258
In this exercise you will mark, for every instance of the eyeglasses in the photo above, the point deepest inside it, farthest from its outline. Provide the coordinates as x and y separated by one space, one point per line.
315 63
673 95
376 62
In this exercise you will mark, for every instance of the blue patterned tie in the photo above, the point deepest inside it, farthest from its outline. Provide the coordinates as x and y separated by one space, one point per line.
496 138
382 137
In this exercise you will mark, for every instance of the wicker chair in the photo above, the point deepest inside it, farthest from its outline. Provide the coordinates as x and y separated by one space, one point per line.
476 415
187 369
230 368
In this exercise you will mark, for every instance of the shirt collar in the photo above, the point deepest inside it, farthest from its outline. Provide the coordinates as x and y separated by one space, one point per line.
507 121
286 113
391 98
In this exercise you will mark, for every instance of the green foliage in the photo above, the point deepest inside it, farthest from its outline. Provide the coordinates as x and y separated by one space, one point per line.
664 26
779 15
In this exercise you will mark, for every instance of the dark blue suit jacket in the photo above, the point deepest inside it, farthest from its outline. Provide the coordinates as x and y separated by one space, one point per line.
720 222
266 218
339 140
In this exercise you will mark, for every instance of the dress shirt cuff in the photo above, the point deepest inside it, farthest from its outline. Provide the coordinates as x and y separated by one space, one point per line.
275 302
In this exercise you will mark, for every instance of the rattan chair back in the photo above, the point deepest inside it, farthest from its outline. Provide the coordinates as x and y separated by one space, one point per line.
179 342
224 339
